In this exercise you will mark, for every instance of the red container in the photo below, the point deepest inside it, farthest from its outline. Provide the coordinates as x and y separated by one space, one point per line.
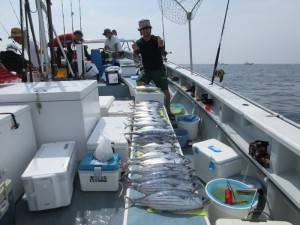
228 197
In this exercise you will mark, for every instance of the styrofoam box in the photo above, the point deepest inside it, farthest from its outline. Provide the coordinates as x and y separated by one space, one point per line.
114 129
48 179
213 159
140 96
17 146
99 176
61 111
241 222
120 108
105 103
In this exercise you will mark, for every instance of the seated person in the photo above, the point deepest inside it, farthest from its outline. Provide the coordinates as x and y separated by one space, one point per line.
12 60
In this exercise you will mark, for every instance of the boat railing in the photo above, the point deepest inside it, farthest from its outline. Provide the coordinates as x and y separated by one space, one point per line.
244 121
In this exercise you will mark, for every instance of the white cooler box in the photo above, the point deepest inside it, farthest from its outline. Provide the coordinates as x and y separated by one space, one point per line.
120 108
213 159
112 128
105 103
61 111
241 222
48 179
153 94
99 176
17 146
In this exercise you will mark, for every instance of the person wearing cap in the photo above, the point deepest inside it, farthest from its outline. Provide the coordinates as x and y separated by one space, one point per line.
113 44
151 49
16 35
12 60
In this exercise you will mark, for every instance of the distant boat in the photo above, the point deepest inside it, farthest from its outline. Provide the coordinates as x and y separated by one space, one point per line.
248 64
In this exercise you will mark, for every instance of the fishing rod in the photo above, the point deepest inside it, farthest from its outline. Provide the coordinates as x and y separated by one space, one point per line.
14 11
79 6
219 48
163 23
50 33
28 12
63 16
72 15
28 42
22 35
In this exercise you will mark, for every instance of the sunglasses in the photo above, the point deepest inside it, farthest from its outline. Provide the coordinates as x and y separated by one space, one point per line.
144 28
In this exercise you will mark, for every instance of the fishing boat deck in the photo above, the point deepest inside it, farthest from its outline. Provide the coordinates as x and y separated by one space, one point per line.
86 208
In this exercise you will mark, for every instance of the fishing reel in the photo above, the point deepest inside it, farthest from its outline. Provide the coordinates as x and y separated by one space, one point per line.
258 151
220 74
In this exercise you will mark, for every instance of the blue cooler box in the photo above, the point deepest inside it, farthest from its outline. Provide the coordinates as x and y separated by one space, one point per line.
99 176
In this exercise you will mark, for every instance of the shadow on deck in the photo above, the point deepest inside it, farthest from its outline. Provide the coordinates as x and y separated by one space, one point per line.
87 208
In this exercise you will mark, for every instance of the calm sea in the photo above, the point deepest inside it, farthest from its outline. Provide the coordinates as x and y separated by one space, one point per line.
275 86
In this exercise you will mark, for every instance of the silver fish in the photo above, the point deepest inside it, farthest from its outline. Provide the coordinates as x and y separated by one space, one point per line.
153 131
154 168
139 178
155 145
138 151
156 154
148 103
156 119
143 140
164 184
160 161
174 200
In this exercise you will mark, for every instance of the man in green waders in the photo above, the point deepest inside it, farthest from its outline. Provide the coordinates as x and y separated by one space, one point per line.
151 49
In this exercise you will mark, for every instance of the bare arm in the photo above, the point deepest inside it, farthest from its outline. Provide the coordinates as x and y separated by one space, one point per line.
135 48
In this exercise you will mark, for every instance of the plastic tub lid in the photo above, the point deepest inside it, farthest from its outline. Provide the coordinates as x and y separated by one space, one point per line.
188 118
89 162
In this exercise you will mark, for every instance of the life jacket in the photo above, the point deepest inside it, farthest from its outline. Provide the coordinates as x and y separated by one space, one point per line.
65 39
5 75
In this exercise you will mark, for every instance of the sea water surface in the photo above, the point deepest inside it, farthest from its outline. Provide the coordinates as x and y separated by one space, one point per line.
275 86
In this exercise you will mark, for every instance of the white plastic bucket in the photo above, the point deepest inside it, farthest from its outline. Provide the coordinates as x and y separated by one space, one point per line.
218 209
190 123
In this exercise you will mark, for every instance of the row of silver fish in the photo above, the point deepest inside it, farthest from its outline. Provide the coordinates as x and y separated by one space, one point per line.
156 168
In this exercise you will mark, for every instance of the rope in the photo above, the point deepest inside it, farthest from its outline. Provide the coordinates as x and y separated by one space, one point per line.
14 11
219 48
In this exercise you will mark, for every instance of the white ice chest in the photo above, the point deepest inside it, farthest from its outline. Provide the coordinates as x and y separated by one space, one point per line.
213 159
17 145
61 111
105 103
48 179
155 95
114 129
120 108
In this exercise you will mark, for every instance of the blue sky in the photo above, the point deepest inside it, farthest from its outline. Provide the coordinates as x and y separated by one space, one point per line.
259 31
